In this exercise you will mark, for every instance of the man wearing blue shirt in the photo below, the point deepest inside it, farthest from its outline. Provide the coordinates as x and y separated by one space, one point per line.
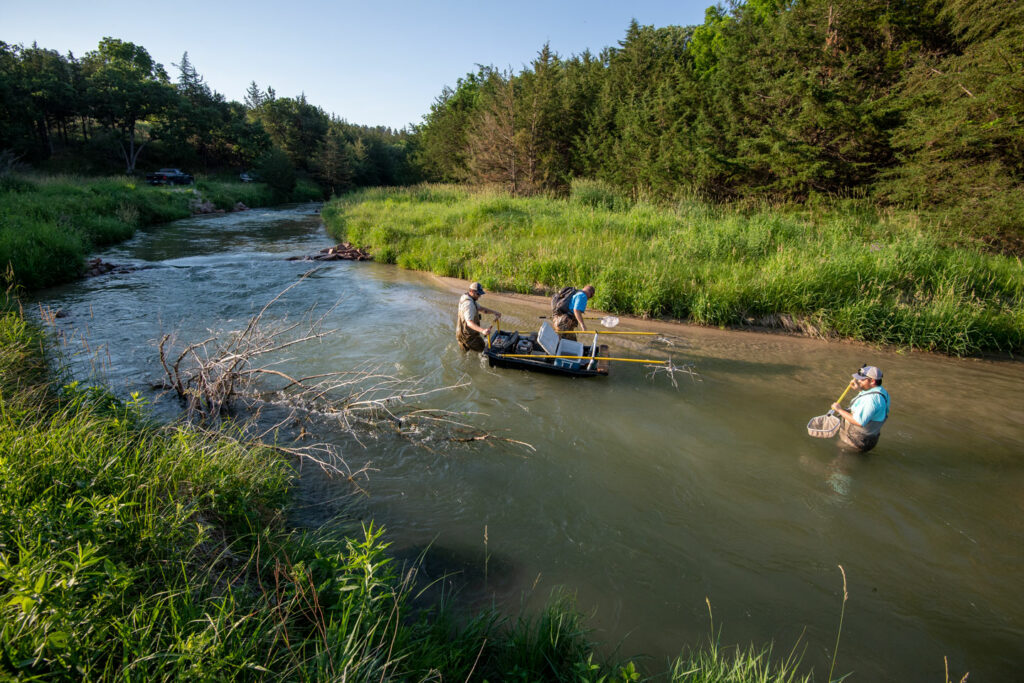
564 321
868 411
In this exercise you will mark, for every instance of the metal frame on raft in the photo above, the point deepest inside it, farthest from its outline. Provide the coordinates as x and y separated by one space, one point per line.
557 355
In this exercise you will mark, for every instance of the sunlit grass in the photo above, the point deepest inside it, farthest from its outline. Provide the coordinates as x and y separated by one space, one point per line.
716 664
843 271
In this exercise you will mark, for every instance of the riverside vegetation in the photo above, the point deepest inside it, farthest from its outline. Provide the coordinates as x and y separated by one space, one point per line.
132 550
840 269
49 224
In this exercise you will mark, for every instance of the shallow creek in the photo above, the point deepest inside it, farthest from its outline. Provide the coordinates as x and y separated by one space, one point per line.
640 498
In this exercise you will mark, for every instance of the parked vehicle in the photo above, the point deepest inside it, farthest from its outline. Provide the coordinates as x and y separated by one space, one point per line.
248 177
169 176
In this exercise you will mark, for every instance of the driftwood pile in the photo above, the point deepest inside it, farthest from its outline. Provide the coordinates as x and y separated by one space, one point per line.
341 252
200 206
98 266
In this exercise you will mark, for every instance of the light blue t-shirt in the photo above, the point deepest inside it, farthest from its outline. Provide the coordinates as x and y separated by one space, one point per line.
578 302
871 405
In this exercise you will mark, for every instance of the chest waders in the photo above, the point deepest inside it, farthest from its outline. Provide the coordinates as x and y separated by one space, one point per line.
564 322
469 339
863 438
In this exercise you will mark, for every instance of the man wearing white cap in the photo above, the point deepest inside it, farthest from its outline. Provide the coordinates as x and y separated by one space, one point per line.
467 326
868 411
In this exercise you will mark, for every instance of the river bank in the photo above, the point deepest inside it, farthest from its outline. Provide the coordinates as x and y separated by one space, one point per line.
840 272
49 224
684 329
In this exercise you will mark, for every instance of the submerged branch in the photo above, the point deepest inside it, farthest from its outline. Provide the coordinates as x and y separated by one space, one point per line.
234 373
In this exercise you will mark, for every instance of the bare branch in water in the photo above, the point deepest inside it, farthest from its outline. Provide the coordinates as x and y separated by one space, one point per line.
670 369
239 372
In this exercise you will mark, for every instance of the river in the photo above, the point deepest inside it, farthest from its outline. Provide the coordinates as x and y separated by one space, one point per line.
643 500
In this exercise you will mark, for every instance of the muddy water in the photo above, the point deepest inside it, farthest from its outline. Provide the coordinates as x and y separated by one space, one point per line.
643 499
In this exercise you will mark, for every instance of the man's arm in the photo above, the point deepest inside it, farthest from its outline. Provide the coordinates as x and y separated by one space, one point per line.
846 415
476 328
466 318
579 319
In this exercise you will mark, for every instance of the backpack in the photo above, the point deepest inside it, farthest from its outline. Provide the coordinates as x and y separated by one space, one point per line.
560 301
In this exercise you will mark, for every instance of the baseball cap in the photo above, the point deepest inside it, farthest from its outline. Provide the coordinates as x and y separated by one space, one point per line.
868 372
476 288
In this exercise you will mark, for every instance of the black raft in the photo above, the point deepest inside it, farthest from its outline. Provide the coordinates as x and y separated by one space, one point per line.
545 351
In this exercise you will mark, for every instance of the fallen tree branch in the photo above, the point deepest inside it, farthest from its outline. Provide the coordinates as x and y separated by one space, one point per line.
235 373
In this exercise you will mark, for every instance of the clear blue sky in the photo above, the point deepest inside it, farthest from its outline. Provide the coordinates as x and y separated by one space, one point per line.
374 63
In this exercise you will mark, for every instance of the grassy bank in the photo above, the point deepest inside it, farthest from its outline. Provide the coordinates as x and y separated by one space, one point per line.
134 551
842 271
49 224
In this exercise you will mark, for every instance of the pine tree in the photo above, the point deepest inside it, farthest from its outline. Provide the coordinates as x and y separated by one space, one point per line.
254 97
962 144
493 148
335 162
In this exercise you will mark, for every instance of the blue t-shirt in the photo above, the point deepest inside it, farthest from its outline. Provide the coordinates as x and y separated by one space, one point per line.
871 405
578 302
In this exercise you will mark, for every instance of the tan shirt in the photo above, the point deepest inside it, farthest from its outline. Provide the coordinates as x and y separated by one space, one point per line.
468 309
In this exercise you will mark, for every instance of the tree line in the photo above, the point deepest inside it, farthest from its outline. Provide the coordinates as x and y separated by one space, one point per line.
912 103
916 103
116 109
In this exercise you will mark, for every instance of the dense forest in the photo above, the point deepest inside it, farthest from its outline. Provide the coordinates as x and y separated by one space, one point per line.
117 110
910 103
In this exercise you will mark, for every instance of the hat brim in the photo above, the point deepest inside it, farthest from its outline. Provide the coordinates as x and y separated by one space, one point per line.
857 375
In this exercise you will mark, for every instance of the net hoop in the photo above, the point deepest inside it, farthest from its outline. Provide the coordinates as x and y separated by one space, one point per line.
824 426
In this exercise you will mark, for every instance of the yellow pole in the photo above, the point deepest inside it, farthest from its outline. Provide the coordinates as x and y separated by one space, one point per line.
497 324
624 360
603 332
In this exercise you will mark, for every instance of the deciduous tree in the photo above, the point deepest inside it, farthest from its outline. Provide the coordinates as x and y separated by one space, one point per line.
125 89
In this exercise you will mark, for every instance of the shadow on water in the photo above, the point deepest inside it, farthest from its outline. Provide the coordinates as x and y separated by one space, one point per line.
468 579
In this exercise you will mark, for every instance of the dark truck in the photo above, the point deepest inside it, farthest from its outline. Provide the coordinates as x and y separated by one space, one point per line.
169 176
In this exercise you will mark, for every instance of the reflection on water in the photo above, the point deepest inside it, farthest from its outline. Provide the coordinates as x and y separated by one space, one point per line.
643 499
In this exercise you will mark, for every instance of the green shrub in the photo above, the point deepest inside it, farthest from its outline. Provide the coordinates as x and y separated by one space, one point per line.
597 195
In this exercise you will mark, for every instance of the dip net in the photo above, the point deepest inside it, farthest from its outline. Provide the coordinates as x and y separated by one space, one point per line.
824 426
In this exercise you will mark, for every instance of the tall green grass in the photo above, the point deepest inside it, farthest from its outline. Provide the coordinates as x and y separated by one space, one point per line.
49 224
841 270
715 664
